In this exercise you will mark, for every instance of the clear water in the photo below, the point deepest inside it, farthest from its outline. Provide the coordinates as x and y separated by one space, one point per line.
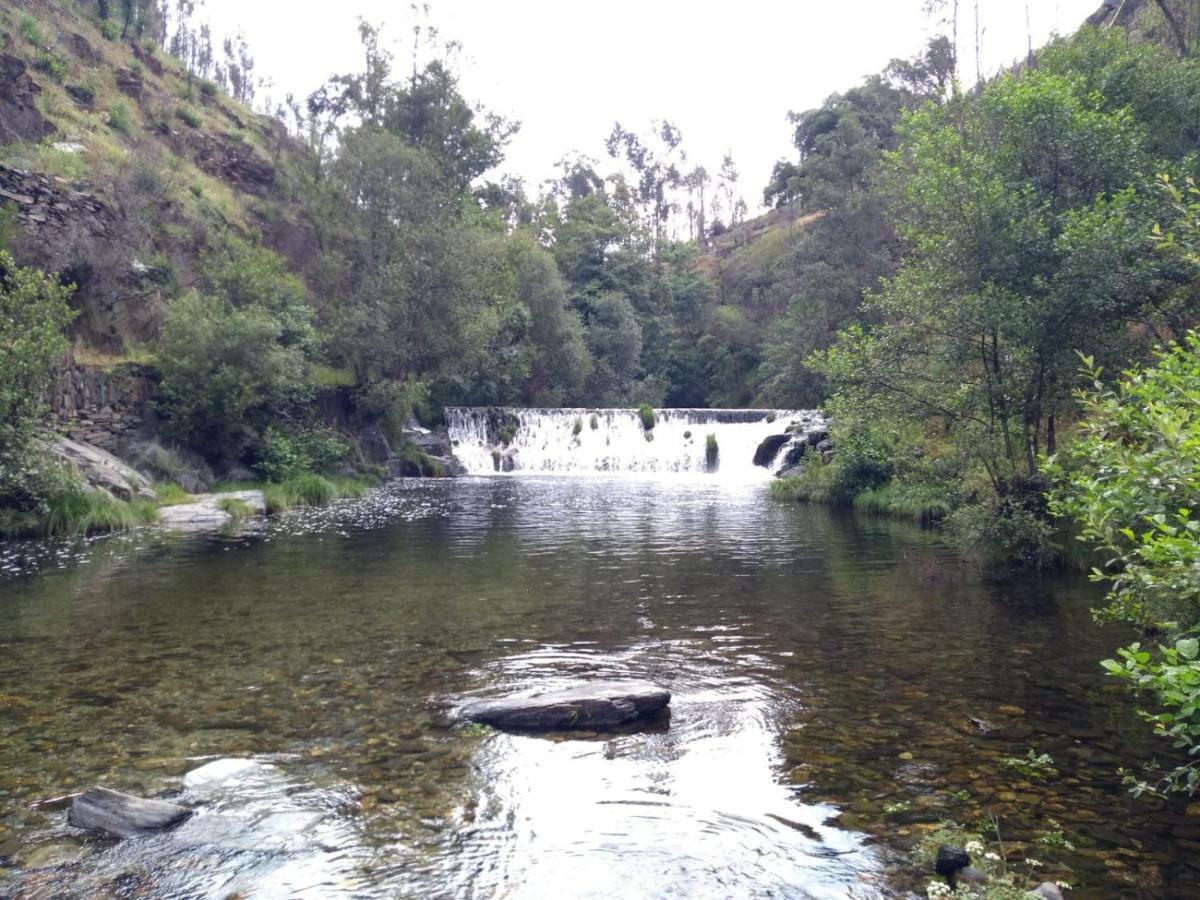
826 673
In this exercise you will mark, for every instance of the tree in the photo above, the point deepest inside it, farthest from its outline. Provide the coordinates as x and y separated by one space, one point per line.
33 313
1132 481
235 357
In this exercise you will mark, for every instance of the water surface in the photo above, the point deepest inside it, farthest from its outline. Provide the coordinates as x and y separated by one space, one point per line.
837 681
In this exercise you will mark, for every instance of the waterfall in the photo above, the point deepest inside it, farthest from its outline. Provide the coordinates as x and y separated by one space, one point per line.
489 439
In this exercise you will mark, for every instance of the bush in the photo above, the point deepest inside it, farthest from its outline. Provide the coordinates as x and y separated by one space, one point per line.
235 358
284 455
85 93
1132 481
109 31
32 31
208 88
119 118
52 64
188 117
646 413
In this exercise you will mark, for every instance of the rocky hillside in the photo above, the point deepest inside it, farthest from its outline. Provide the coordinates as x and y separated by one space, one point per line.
122 169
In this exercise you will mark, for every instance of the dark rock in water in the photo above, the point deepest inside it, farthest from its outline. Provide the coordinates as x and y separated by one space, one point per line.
765 454
951 860
594 705
123 815
794 454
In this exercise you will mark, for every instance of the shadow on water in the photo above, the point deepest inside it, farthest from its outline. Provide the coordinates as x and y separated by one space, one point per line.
835 680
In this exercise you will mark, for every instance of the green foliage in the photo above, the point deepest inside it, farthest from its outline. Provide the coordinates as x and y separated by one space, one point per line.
188 116
208 88
74 511
1132 481
283 455
52 64
109 30
1033 765
235 357
33 314
83 91
646 414
712 452
32 31
119 117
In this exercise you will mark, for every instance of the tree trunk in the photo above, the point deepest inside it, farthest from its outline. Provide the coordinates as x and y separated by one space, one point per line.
1176 27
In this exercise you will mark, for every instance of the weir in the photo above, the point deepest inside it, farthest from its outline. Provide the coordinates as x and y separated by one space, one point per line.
497 439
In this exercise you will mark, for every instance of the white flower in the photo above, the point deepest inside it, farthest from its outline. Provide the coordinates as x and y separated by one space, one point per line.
1033 863
1063 885
937 889
974 847
994 857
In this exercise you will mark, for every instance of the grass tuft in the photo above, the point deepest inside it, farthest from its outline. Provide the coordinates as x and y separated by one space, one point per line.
172 494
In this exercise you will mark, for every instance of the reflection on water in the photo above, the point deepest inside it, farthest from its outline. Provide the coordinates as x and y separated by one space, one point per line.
832 678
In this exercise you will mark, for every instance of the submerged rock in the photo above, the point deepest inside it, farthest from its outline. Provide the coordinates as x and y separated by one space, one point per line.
123 815
222 773
594 705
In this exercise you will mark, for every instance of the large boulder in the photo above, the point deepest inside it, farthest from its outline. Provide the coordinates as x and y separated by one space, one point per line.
123 815
593 705
101 470
767 450
208 511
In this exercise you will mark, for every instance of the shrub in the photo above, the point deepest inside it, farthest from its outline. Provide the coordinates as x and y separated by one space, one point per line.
283 455
507 433
109 30
188 117
208 88
52 64
75 511
119 118
85 93
646 413
32 31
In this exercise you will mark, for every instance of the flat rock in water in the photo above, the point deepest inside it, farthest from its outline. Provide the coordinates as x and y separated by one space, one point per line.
223 773
593 705
123 815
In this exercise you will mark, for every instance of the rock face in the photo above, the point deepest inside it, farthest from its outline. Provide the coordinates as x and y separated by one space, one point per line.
123 815
20 121
765 454
100 469
206 513
594 705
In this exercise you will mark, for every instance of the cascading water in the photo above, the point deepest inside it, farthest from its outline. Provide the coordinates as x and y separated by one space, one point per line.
488 440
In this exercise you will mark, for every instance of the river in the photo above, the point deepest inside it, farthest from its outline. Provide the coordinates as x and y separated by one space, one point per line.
839 684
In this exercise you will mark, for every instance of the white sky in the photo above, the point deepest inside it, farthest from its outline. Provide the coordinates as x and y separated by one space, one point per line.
725 73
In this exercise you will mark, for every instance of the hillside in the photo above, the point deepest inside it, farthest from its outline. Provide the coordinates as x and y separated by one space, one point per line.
124 169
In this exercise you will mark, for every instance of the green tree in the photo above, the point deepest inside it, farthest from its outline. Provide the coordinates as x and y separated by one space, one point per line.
33 313
1132 481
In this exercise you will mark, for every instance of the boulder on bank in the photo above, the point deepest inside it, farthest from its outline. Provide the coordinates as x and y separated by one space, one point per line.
100 469
123 815
205 511
769 448
593 705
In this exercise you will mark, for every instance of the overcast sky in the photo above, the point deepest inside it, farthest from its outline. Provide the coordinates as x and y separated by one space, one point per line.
726 74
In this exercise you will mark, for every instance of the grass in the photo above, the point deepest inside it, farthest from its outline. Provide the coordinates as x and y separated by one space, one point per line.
76 512
89 356
429 466
236 507
303 490
188 117
171 494
119 118
925 506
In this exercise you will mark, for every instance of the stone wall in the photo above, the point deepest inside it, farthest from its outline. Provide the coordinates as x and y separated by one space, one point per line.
99 406
46 205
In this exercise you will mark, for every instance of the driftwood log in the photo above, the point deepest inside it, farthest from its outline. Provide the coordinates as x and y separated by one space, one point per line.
123 815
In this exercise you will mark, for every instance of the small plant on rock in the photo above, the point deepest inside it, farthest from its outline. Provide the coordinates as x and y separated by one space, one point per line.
646 413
